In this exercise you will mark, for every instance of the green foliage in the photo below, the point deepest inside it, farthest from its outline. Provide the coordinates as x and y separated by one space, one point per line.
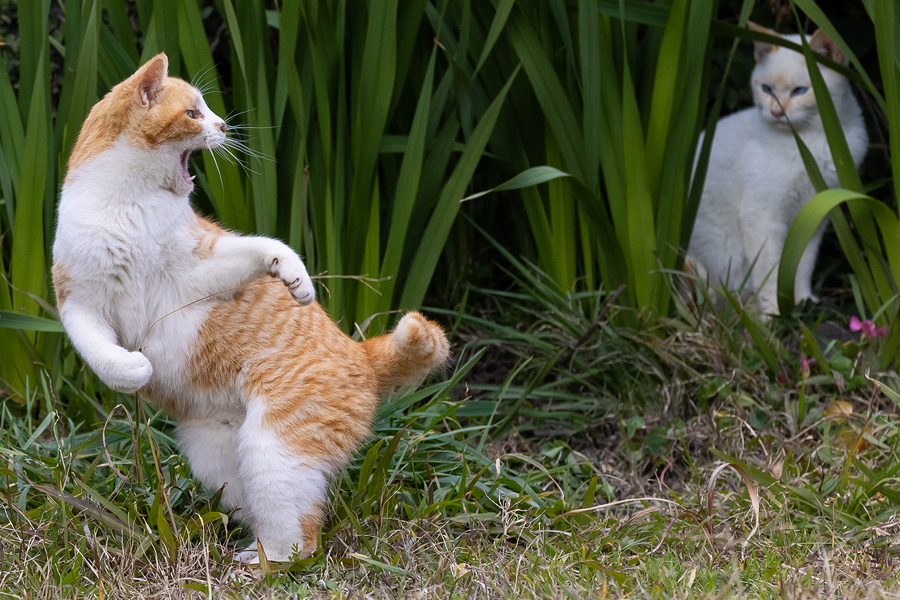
358 153
876 264
621 117
440 500
327 139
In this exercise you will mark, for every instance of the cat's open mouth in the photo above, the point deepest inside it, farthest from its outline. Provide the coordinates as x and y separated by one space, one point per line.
185 174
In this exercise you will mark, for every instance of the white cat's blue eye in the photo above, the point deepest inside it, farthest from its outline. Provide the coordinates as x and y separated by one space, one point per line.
192 114
799 91
767 89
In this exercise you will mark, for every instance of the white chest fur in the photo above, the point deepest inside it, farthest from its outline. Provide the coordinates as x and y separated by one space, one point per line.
127 245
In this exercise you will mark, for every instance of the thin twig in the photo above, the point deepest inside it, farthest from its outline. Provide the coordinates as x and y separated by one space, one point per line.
162 481
617 503
109 460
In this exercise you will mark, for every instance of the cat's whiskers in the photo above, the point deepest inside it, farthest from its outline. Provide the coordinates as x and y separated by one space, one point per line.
238 142
241 146
197 79
205 85
237 145
218 170
244 126
233 114
229 156
230 159
241 136
232 151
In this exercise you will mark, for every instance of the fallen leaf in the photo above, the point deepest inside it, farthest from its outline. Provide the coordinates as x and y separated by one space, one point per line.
850 440
839 407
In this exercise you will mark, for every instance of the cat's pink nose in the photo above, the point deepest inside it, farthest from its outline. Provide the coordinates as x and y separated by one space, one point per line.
777 113
222 127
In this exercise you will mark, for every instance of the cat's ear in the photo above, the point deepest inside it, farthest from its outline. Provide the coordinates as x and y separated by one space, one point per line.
761 49
827 47
150 79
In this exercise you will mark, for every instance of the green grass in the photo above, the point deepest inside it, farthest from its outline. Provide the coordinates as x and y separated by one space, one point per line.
469 487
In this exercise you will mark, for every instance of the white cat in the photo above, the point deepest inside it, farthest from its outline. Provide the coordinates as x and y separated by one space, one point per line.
756 182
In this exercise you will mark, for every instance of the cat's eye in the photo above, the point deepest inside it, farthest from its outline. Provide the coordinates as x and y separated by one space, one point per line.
192 114
768 89
799 90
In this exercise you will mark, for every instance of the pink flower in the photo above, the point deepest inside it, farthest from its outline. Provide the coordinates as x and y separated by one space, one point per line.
805 364
867 328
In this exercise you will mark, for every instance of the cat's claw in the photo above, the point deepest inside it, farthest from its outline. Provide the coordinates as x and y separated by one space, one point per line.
128 373
304 294
301 288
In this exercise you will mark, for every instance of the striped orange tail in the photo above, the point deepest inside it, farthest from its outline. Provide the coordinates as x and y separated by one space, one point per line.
407 354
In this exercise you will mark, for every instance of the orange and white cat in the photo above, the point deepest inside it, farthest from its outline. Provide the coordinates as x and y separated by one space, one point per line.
270 396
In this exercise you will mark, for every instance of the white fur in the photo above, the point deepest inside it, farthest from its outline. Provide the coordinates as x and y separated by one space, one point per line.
279 487
124 237
756 182
211 449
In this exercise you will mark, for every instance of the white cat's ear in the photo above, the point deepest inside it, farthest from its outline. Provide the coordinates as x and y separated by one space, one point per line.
827 47
761 49
151 77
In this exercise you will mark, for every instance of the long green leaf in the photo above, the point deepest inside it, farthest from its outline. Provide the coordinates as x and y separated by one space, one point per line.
11 320
435 234
808 220
27 264
527 178
407 186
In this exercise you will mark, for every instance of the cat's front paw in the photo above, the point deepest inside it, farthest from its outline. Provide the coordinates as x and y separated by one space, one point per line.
247 557
128 373
291 270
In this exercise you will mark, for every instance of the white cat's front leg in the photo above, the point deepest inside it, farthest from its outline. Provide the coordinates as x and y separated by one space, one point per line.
803 280
94 338
764 278
237 260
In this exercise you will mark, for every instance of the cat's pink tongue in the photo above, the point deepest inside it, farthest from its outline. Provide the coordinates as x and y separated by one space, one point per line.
188 178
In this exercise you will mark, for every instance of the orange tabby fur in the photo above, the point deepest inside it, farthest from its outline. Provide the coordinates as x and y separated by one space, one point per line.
122 111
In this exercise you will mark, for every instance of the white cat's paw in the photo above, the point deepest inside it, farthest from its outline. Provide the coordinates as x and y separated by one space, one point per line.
291 270
247 557
128 373
767 310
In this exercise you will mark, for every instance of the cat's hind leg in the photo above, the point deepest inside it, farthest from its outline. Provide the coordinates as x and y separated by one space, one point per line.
764 243
284 488
211 449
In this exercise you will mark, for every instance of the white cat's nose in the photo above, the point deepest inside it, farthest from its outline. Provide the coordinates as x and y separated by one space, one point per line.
222 127
777 113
